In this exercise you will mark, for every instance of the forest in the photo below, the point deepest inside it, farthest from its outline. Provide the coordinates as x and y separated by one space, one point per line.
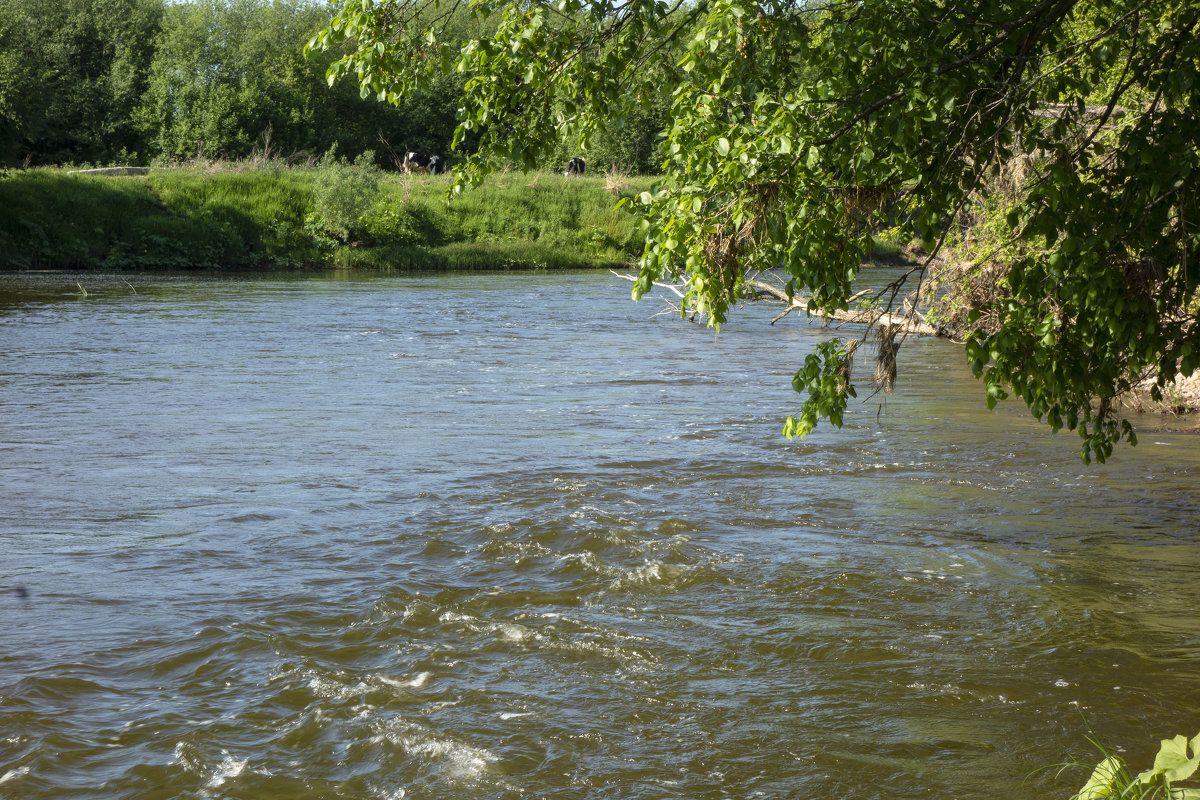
140 82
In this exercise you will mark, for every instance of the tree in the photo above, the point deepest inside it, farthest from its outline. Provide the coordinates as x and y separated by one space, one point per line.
70 74
229 74
230 77
796 129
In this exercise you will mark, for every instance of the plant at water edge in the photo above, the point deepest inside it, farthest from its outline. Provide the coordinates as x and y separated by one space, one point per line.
1178 760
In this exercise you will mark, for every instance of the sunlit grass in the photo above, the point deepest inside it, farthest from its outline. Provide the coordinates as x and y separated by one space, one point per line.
229 216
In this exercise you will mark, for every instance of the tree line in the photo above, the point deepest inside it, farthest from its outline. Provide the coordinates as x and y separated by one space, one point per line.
138 81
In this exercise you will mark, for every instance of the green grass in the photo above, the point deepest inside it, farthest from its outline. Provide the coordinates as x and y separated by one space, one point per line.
238 216
887 246
51 219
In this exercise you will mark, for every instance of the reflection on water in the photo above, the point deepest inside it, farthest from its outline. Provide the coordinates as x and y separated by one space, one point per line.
515 536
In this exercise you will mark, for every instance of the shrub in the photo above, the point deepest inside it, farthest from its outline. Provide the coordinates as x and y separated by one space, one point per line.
344 193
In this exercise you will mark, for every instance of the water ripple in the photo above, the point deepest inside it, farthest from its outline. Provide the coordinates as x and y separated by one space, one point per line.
349 539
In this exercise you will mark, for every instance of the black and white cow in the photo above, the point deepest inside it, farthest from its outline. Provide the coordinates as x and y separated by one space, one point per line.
420 162
575 166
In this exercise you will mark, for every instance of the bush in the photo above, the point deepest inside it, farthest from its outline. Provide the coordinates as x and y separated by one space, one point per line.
344 193
413 223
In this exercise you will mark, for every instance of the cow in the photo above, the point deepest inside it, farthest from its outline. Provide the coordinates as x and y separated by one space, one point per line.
420 162
575 166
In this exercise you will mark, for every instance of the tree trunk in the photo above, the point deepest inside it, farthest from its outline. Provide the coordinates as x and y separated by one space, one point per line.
905 323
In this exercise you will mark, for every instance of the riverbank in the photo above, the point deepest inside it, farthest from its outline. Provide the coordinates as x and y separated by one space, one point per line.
236 216
1178 407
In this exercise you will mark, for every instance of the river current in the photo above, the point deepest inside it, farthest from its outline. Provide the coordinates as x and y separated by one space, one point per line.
516 536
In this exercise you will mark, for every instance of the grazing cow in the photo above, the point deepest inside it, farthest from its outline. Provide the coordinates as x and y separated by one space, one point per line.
575 166
420 162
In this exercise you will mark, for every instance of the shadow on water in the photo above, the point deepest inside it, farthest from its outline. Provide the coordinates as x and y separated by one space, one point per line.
514 536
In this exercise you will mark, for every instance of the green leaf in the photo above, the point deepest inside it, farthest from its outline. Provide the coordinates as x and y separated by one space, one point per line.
1100 784
1173 761
785 145
790 428
723 146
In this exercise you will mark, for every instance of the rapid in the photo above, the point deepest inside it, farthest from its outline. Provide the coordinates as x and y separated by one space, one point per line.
516 536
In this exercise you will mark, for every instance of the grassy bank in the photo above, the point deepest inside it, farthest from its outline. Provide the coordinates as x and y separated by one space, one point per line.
270 216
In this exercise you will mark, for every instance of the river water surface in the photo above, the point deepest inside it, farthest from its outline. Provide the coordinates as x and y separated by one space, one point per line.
515 536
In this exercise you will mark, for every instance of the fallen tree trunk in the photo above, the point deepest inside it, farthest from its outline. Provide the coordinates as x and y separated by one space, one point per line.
902 323
905 323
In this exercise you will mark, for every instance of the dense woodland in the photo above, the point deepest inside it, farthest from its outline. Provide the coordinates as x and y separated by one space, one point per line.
103 82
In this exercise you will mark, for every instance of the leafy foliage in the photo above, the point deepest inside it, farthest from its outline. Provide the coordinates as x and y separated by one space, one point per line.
1178 760
344 193
796 129
134 81
229 78
71 72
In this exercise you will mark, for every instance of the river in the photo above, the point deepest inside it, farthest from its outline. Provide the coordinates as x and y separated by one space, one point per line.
516 536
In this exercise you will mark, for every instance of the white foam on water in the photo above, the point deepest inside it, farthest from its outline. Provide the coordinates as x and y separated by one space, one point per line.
652 573
323 687
14 773
507 715
331 689
453 616
513 632
459 762
186 756
390 794
587 560
509 631
229 767
456 761
647 573
957 692
631 660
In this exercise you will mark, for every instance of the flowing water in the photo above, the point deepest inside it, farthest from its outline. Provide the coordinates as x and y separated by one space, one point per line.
514 536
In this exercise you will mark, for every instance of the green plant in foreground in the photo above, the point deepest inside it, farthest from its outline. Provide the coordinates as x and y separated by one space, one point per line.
1178 760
